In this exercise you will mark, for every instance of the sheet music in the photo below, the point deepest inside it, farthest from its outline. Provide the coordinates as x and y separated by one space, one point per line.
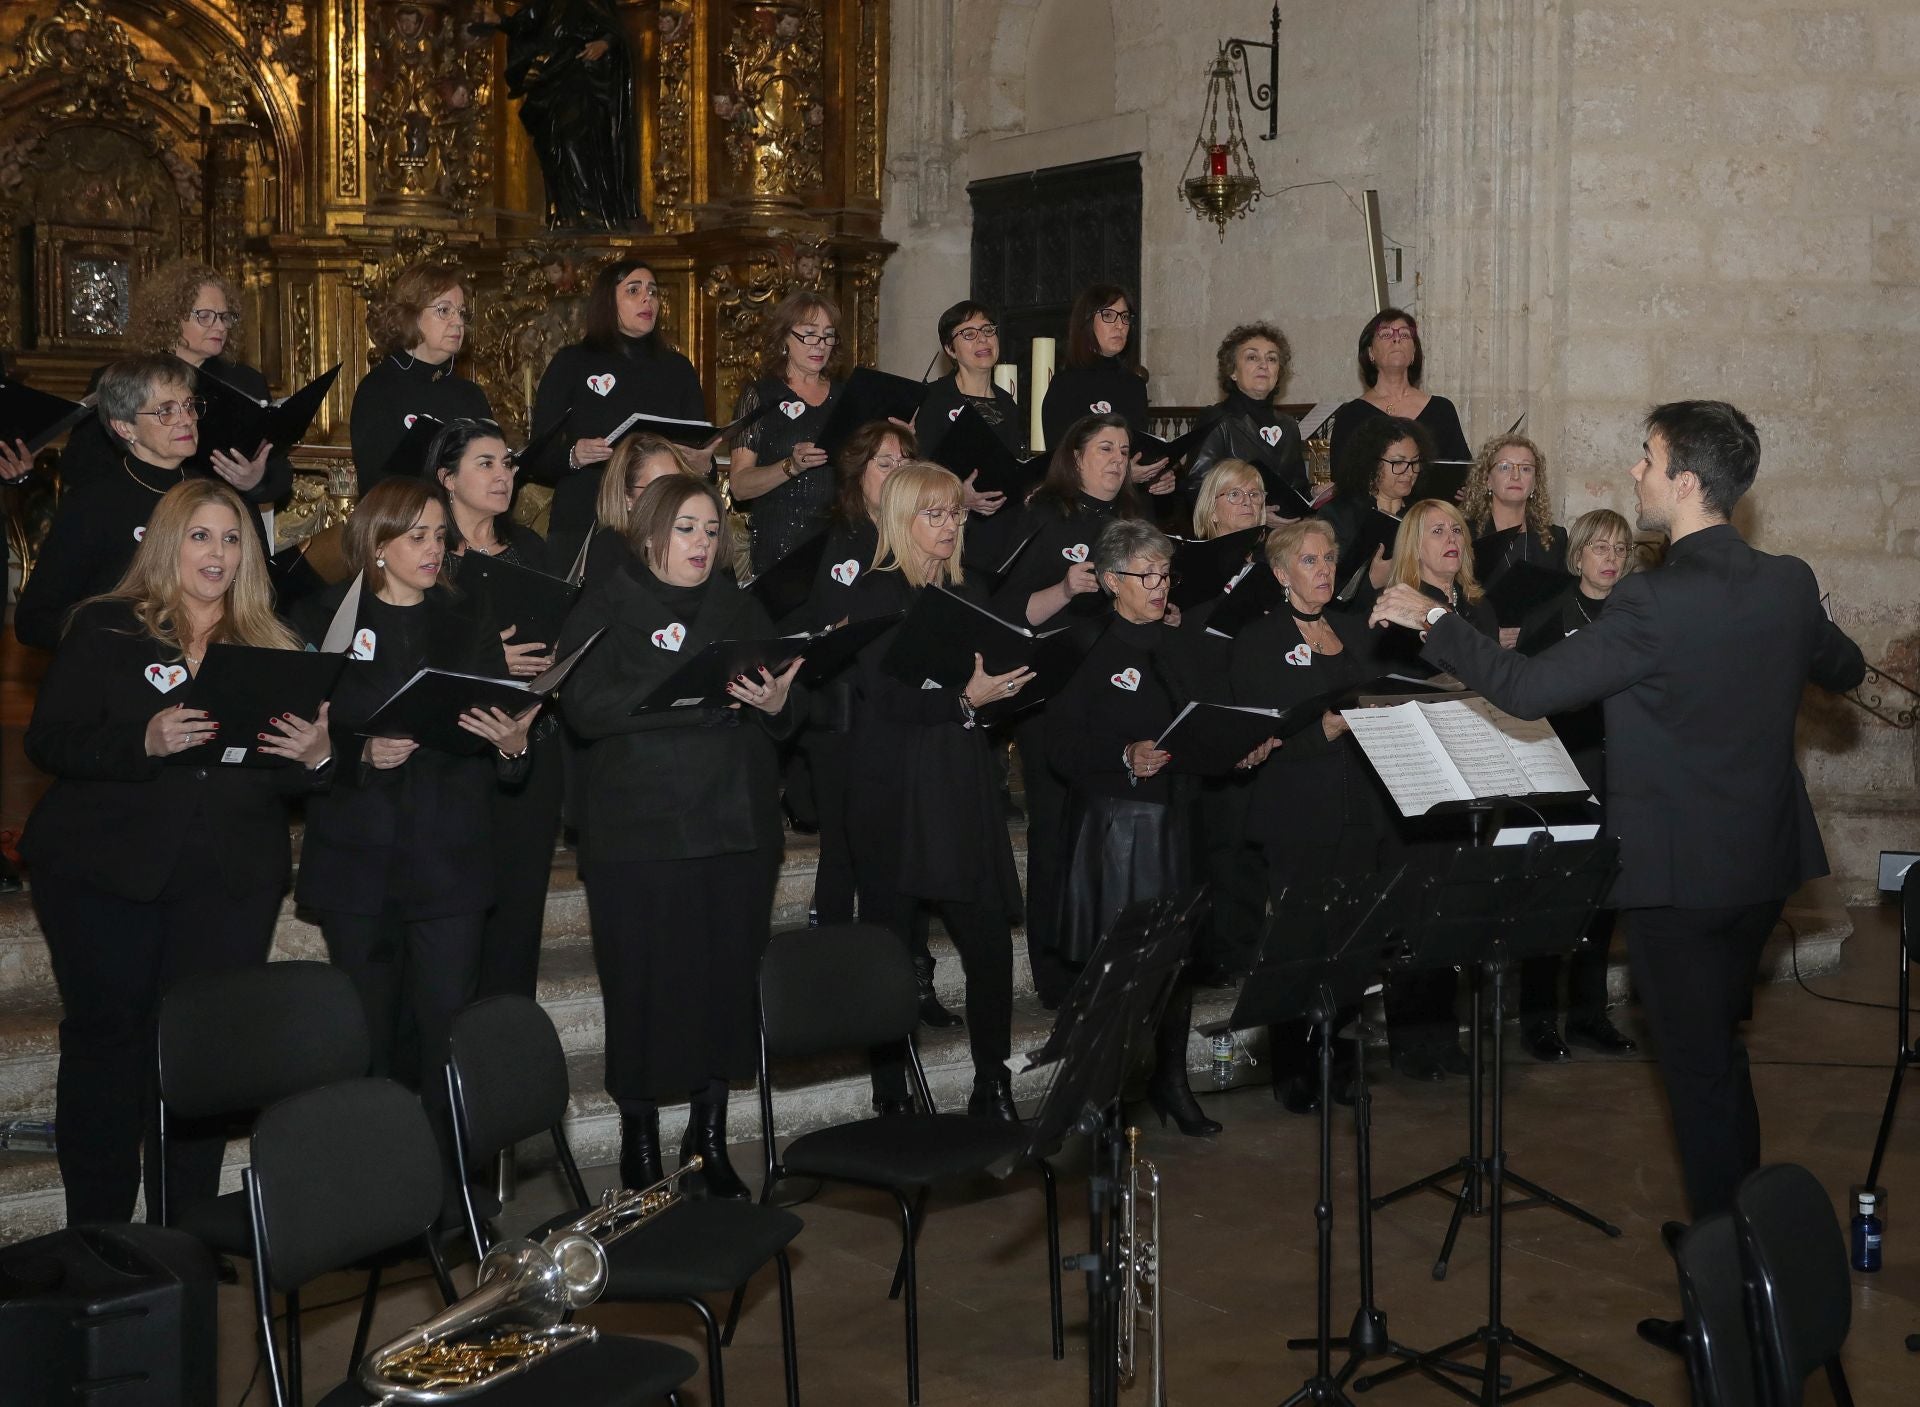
1536 749
1321 413
1477 749
1404 751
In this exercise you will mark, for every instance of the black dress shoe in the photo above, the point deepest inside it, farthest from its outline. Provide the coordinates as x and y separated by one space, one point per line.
992 1098
1599 1034
1417 1064
1297 1095
932 1014
1543 1043
640 1150
1173 1099
1452 1060
707 1136
1668 1334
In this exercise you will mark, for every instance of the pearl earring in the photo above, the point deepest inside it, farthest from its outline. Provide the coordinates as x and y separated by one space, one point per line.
380 561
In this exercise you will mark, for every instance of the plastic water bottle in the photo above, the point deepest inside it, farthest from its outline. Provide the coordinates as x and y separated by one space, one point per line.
1223 1060
1867 1227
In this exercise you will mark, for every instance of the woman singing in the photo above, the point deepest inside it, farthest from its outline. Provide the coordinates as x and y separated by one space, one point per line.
144 872
776 466
420 328
637 461
970 340
681 838
926 824
1390 365
1253 364
1102 376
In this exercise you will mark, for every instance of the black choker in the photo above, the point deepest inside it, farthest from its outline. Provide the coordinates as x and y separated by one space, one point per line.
1299 614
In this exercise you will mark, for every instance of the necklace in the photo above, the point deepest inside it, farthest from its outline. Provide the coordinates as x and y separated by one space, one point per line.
126 462
1580 603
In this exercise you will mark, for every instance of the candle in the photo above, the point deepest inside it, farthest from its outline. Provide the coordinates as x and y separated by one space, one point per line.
1216 160
1007 377
1037 380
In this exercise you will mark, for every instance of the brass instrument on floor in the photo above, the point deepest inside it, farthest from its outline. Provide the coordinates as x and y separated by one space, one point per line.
516 1315
1139 1272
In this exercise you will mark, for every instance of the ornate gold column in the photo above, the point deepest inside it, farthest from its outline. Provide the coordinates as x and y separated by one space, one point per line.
770 104
429 91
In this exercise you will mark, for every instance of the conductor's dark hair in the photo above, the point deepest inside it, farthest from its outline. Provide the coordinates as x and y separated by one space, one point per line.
1082 348
1360 456
1712 441
959 313
1060 490
850 504
600 322
1370 373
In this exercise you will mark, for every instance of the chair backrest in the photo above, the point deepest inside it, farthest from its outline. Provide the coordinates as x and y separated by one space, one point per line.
340 1173
234 1042
837 987
509 1072
1719 1351
1799 1291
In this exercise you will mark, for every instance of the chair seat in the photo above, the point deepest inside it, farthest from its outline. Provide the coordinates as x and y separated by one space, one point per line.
221 1223
700 1247
904 1150
612 1371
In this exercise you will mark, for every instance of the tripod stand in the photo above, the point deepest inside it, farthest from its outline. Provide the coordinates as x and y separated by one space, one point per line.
1471 1199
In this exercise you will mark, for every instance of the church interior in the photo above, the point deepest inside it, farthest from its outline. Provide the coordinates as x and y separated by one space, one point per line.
1592 206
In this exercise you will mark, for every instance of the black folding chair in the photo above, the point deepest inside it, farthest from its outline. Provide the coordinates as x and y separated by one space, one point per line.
507 1078
1712 1300
342 1172
850 987
1799 1292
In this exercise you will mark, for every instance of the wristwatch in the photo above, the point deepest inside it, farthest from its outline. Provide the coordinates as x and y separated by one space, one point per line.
1433 616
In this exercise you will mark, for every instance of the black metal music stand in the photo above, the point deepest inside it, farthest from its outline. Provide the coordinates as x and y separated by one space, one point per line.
1906 1052
1111 1011
1494 907
1471 1199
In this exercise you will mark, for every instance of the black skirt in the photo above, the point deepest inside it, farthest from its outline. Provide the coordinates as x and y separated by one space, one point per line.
1118 853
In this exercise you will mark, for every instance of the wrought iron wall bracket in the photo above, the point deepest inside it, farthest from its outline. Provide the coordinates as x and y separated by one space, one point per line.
1265 97
1879 681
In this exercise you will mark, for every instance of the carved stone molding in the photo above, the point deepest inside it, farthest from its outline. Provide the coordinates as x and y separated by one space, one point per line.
772 107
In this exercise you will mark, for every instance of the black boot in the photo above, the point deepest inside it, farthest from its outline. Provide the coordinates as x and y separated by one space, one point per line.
640 1148
932 1014
707 1136
1168 1091
992 1098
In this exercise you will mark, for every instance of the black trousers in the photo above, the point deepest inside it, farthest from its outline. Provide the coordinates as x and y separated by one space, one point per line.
1046 843
829 759
526 822
1694 971
113 960
985 941
1586 971
1230 936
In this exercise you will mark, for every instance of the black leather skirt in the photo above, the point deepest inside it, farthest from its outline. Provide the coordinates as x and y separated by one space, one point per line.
1118 853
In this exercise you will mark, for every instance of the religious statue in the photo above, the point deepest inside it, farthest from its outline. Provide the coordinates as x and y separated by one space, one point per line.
567 61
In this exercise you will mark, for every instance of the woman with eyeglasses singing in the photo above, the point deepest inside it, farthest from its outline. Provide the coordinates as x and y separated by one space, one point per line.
1391 361
1101 375
420 327
970 340
1381 463
777 467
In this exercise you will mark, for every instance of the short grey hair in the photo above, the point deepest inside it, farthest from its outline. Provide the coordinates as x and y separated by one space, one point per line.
1121 541
126 384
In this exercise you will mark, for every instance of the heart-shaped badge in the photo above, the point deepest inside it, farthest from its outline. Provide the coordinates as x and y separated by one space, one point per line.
363 643
954 414
1300 654
1101 407
793 410
166 677
845 572
1128 679
140 533
1270 433
1075 553
602 384
670 637
407 420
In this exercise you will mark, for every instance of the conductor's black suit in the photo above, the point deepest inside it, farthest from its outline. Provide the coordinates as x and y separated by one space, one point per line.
1700 665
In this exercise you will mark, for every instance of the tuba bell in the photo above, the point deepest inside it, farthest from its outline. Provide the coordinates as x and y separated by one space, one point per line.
517 1312
1139 1273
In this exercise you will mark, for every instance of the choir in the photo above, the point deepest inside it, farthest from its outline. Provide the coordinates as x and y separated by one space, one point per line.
426 854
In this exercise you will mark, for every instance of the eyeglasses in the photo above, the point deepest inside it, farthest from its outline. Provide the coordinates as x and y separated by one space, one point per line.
446 312
1396 334
207 317
886 463
1115 317
1400 466
828 338
974 334
193 408
1152 580
1513 466
940 517
1241 497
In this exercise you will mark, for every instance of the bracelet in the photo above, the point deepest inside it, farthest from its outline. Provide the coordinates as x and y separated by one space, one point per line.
791 469
506 756
572 462
1126 761
969 715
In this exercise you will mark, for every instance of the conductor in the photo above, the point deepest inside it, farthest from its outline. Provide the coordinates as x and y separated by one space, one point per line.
1700 667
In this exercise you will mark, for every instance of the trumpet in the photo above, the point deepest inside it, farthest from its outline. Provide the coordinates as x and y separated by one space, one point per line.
517 1313
1139 1273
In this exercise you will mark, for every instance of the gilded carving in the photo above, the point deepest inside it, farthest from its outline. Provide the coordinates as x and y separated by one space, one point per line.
866 103
408 246
271 33
428 93
536 311
300 346
863 284
347 117
96 68
773 109
672 160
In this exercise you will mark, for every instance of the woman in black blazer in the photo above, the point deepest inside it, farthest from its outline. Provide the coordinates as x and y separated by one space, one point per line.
420 328
927 826
681 837
1316 806
143 872
398 859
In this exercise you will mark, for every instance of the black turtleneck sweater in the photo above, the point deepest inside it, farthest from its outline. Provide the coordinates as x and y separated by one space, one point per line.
1055 541
1105 386
390 395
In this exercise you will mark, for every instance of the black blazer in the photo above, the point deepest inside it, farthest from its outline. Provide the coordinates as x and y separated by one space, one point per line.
390 395
1700 665
1496 550
118 819
416 838
688 782
1583 730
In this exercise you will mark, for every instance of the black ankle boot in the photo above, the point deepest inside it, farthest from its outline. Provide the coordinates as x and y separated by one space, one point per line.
640 1149
707 1136
992 1098
932 1013
1168 1091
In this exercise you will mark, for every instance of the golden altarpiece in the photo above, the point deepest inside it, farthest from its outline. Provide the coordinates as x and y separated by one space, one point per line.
309 149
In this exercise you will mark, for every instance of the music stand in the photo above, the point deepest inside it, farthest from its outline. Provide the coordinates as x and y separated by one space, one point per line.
1493 907
1471 1198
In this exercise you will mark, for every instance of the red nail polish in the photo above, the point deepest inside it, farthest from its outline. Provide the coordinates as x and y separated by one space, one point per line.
261 736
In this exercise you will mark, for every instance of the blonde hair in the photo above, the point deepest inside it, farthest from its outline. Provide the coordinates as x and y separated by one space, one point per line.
152 587
914 486
1406 548
622 476
1285 541
1589 528
1477 504
1227 474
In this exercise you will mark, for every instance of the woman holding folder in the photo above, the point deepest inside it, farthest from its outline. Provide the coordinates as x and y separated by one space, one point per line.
927 826
398 860
145 872
680 837
420 328
1378 467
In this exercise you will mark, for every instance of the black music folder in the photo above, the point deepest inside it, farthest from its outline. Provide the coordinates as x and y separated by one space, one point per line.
1151 449
238 423
530 452
1442 479
1203 568
38 417
943 631
1210 740
1283 498
690 434
1524 587
1251 597
244 687
1378 532
533 603
427 708
868 395
409 457
971 446
702 681
784 588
